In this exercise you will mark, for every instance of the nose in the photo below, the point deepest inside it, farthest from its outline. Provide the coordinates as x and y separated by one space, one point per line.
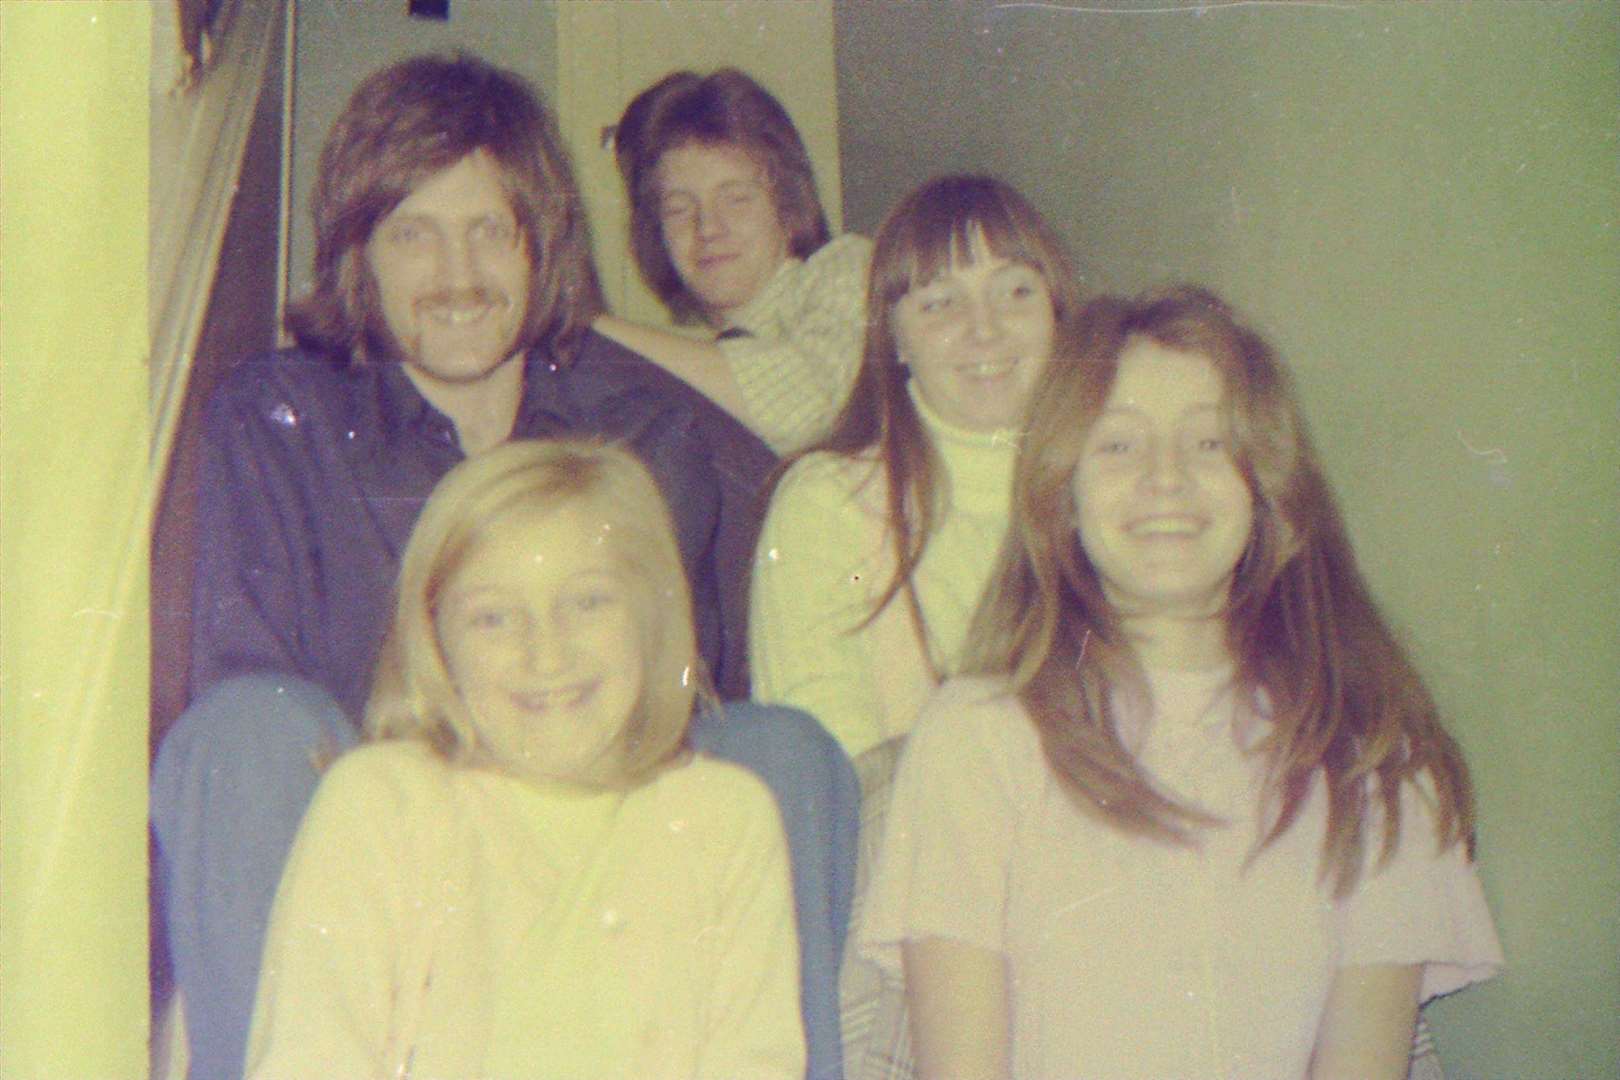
984 320
458 262
709 222
546 647
1165 469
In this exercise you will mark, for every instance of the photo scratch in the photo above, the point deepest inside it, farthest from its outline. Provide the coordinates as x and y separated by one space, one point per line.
1169 9
1496 454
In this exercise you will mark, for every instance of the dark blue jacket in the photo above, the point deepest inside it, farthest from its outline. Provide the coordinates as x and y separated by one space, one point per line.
313 472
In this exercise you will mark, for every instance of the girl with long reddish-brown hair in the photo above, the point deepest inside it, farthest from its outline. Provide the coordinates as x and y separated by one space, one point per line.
1193 812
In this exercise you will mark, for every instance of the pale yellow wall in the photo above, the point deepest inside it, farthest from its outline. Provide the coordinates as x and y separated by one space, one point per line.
1421 204
73 521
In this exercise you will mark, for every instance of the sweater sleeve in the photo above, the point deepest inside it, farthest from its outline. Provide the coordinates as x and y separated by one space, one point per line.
810 593
802 344
329 986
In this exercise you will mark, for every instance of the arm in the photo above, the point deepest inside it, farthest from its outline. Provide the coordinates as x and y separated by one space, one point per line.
700 364
809 593
755 1031
254 573
958 999
328 985
805 335
936 907
1366 1028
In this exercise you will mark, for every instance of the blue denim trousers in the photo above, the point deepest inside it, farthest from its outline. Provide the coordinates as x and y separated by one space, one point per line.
236 771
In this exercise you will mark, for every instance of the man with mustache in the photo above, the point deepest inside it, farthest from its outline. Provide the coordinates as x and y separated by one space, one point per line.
453 298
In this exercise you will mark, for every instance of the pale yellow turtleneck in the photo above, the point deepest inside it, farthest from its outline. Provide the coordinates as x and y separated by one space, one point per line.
824 558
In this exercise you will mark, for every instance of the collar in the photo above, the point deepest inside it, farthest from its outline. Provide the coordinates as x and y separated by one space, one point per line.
401 404
403 408
769 296
979 463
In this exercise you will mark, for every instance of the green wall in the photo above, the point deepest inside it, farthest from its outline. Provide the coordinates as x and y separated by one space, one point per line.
1421 205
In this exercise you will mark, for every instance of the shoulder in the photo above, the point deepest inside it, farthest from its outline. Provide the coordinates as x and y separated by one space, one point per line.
829 479
281 375
718 804
387 778
708 781
975 715
609 383
849 253
833 277
280 391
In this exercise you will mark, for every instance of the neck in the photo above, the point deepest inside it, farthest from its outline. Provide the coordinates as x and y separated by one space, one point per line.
1173 643
483 410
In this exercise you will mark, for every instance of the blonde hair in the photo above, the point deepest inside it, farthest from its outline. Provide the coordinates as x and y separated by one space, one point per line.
413 696
1301 625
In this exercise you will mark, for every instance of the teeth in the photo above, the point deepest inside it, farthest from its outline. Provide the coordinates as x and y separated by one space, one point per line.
459 316
991 368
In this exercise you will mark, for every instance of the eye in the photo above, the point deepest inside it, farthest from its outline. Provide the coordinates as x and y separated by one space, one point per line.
676 210
933 301
592 599
491 618
493 232
1023 285
1212 444
405 234
1111 439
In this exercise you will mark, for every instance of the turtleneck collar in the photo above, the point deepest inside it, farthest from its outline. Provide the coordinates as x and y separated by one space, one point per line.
979 463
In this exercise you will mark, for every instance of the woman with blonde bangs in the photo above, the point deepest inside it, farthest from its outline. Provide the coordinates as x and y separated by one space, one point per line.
528 872
1203 815
878 542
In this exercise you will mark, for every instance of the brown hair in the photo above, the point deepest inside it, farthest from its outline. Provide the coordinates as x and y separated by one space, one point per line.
413 695
723 108
1301 624
935 223
407 123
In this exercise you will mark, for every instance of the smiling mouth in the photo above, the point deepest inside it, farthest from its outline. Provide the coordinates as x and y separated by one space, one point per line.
462 310
559 697
1166 526
990 370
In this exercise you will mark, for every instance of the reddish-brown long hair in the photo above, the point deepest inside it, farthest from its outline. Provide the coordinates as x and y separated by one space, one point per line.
1345 701
935 223
405 124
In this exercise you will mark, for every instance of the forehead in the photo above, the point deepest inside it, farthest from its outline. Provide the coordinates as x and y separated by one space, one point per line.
697 166
530 545
965 245
1157 379
472 187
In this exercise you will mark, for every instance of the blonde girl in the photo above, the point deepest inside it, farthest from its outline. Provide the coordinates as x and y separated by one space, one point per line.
877 545
1193 814
526 872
